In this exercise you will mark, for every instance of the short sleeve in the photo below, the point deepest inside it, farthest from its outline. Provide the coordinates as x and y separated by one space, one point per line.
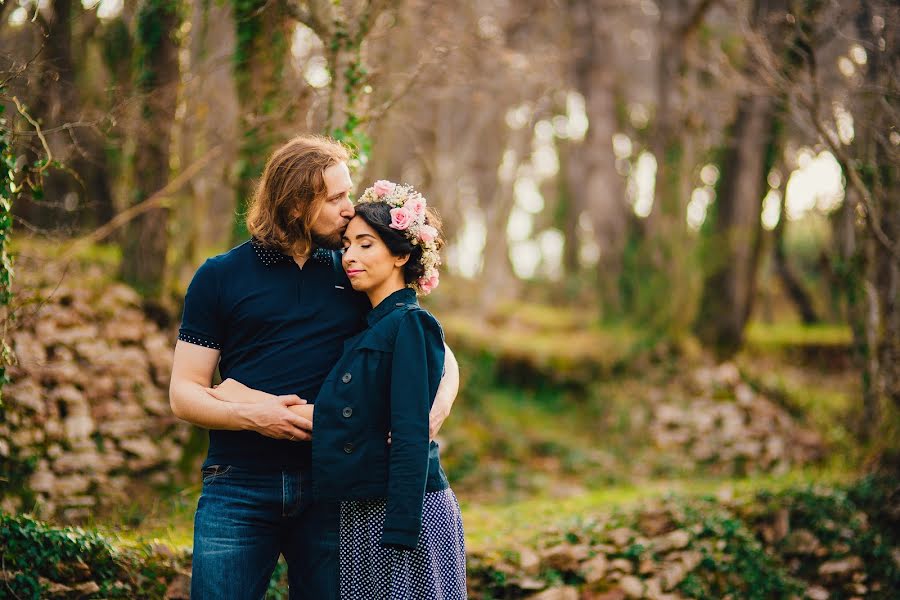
201 323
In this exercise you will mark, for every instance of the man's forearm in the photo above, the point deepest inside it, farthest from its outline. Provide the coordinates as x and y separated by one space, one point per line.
190 402
446 393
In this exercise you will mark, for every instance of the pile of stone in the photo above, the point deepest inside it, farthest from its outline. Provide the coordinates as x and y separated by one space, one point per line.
614 564
86 414
732 429
673 549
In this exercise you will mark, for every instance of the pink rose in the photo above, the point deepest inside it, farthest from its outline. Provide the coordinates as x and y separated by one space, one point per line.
401 218
383 186
426 284
427 233
416 206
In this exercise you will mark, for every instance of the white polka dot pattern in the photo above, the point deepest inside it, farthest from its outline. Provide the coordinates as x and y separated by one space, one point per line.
435 570
270 256
184 337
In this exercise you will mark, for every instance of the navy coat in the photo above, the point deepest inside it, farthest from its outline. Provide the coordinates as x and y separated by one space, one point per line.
385 381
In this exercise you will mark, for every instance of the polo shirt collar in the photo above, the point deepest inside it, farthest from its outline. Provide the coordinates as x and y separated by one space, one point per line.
398 299
270 256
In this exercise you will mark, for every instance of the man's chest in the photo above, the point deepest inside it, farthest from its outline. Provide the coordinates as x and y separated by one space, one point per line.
291 303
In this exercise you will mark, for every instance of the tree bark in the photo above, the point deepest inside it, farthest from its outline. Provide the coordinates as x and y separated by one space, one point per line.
210 121
262 31
79 194
878 166
146 240
730 281
793 286
601 192
497 195
733 247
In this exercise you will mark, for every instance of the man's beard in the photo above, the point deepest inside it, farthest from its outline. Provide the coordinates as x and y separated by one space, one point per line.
333 241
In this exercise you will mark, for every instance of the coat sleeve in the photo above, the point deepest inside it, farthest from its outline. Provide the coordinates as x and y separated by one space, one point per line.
418 354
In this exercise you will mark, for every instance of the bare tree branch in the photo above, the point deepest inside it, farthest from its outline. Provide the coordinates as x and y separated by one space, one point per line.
694 20
318 15
37 129
156 200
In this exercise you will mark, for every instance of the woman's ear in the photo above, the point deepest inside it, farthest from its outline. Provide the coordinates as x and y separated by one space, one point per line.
399 261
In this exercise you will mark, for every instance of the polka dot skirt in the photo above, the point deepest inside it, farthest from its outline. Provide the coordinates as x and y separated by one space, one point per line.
435 570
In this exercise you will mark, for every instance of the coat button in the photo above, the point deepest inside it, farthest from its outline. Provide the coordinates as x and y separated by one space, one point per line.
347 377
347 412
348 447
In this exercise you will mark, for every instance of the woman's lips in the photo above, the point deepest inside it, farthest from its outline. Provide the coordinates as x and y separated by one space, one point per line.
353 272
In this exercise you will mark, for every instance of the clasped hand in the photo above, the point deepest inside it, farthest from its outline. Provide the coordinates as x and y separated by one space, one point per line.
286 417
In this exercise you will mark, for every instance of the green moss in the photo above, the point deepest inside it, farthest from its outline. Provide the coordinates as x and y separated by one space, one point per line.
779 336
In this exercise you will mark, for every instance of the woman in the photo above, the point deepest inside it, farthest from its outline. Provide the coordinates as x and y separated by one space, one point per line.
401 533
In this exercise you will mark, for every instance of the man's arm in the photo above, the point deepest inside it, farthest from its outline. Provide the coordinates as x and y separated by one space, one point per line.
232 390
446 393
192 372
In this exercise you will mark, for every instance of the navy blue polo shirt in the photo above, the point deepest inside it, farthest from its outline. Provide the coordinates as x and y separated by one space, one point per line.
279 329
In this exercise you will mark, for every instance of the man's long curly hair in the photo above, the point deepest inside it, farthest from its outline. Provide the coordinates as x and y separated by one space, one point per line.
291 193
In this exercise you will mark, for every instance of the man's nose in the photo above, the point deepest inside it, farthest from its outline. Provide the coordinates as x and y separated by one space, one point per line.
348 211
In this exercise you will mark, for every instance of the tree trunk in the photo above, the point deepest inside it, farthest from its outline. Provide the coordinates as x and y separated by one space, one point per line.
730 280
793 286
879 170
146 242
602 191
570 174
497 196
262 30
80 194
204 220
733 247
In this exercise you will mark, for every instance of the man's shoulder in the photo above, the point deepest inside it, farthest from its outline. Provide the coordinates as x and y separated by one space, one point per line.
239 255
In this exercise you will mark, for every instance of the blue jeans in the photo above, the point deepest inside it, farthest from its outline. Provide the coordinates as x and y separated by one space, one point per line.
245 519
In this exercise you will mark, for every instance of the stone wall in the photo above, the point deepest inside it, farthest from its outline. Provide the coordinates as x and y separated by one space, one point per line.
86 415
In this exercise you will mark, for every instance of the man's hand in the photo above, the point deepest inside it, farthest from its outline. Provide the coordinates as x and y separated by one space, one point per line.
273 418
270 415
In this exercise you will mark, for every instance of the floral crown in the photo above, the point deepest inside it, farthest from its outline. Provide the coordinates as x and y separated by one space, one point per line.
408 216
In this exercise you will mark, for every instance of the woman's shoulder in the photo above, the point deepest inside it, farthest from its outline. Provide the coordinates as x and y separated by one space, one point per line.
424 318
408 318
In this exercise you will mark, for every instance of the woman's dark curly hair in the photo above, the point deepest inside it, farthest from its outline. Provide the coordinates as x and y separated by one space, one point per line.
378 216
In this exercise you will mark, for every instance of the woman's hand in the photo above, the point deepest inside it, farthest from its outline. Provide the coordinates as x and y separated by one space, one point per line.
303 410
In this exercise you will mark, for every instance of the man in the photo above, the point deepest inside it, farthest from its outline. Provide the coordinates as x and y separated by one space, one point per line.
273 314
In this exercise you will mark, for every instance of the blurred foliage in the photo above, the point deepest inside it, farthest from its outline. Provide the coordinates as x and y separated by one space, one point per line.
41 561
737 557
8 192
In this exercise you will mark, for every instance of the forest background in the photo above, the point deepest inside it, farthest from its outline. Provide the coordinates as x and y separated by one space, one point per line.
671 279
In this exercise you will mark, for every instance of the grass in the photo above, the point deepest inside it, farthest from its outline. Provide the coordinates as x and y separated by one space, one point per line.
491 526
775 336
